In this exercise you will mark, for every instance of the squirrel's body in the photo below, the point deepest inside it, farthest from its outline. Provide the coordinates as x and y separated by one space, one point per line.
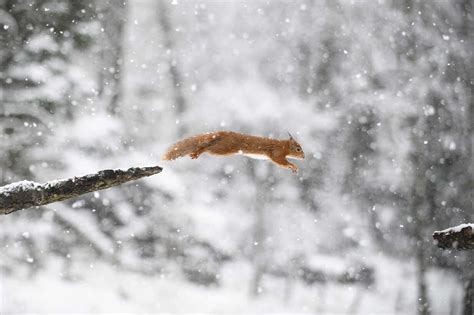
225 143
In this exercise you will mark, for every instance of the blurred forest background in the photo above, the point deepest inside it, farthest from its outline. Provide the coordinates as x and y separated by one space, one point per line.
379 93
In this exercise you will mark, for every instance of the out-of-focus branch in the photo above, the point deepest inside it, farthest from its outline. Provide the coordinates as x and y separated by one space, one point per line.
458 237
26 194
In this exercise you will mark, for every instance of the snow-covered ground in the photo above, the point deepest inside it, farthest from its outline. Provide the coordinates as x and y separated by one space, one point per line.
370 89
100 288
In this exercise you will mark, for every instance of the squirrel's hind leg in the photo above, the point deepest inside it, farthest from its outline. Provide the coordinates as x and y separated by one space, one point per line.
206 146
194 155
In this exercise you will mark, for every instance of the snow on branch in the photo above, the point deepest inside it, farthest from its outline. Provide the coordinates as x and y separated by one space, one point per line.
26 194
458 237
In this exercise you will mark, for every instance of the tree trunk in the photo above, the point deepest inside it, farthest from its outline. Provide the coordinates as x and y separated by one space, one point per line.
469 296
423 304
467 31
418 206
112 54
262 191
178 98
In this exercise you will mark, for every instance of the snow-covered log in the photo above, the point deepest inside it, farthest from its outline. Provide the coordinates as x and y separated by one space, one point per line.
458 237
26 194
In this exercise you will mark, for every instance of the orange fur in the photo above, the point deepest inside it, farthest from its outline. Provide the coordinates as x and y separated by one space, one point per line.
224 143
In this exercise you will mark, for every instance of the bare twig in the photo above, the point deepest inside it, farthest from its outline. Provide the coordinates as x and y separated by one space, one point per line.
26 194
458 237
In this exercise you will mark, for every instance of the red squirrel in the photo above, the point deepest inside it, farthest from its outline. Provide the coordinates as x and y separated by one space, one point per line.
223 143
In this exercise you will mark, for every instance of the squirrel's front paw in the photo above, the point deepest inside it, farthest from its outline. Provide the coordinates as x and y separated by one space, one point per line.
294 168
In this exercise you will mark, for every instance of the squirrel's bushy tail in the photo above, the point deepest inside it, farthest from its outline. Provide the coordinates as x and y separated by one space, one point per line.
188 146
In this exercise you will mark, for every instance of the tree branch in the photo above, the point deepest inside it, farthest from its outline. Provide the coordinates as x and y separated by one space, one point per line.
26 194
458 237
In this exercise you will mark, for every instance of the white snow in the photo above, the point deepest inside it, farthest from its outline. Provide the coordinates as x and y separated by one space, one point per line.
458 228
105 289
340 77
23 185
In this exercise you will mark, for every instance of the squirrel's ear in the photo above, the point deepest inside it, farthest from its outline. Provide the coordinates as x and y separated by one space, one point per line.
291 137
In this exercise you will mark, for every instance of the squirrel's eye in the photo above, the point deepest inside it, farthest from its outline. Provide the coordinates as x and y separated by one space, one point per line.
298 149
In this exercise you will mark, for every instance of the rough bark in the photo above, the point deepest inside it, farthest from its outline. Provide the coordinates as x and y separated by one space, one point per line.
26 194
460 237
